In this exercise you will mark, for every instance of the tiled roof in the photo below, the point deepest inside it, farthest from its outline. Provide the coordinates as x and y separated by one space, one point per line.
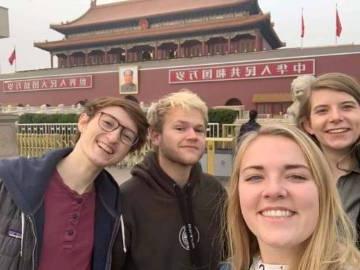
238 22
132 9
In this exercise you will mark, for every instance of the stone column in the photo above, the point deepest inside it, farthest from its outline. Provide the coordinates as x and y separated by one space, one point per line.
258 41
8 145
51 60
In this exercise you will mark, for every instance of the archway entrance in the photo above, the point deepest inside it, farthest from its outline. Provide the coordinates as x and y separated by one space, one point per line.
233 102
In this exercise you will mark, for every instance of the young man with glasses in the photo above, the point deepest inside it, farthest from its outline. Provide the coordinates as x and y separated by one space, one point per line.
172 210
62 211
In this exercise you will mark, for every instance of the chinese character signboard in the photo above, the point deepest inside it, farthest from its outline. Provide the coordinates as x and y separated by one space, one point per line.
242 71
50 83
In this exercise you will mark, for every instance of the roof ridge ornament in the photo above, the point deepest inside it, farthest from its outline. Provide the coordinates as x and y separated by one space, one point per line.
93 3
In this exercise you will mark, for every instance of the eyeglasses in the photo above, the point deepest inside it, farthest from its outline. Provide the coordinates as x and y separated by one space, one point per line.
109 123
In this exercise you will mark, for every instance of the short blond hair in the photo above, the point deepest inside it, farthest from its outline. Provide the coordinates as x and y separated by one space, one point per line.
331 246
184 98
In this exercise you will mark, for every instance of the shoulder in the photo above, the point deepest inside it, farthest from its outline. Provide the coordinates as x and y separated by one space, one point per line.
212 186
7 203
211 180
132 188
130 185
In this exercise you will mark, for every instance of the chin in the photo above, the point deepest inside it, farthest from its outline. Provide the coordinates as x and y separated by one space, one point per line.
188 161
281 244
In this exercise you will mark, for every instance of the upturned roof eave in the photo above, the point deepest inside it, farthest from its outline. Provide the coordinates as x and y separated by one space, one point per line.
70 27
62 44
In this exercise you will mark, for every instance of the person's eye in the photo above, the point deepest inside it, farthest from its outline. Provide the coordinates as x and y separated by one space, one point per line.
297 177
200 130
179 128
320 111
253 178
128 135
348 107
108 123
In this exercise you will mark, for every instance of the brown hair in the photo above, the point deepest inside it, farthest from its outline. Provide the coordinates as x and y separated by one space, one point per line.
334 81
131 108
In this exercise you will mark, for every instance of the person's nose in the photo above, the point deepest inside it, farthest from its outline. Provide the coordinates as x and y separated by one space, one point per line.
336 115
192 134
114 136
274 189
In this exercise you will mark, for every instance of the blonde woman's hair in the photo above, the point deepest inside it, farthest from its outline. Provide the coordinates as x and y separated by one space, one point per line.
184 98
331 246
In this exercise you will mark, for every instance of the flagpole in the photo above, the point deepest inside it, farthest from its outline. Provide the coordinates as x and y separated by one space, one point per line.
302 28
336 14
15 58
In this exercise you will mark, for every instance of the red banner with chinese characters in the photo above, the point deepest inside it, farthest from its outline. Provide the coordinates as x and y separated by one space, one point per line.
50 83
242 71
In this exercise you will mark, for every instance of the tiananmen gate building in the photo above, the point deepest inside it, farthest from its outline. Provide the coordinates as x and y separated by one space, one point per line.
227 51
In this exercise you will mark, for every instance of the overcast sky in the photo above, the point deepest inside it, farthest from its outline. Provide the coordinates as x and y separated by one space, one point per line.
30 20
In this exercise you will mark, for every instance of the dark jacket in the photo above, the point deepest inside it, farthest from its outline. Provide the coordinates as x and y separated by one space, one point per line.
348 186
23 183
250 125
156 210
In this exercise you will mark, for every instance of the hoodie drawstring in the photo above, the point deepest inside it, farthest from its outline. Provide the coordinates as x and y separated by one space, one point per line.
185 206
22 233
123 232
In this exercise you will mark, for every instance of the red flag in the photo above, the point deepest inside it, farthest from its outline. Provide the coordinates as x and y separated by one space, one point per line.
12 57
302 26
338 24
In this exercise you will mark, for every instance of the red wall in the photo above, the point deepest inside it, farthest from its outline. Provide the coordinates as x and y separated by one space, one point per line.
154 83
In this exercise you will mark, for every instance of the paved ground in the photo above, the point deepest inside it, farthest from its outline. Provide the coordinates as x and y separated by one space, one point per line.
120 174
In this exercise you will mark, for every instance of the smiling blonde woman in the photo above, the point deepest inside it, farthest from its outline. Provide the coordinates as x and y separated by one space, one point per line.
283 210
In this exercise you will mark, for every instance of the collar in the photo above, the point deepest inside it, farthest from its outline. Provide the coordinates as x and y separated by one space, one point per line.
259 265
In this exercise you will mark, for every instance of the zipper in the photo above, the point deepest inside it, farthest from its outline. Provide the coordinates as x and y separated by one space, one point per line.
35 241
111 244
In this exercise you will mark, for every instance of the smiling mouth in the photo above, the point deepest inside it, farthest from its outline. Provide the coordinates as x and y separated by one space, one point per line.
337 130
190 147
105 148
277 213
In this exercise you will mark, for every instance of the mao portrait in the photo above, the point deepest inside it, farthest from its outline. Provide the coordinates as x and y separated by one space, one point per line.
128 80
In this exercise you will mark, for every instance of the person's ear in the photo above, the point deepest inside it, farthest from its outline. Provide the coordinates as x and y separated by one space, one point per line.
154 136
306 124
82 122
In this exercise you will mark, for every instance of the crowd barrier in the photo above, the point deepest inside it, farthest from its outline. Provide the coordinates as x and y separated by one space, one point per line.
33 140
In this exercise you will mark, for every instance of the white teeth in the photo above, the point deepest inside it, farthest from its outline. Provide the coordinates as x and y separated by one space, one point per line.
337 130
276 213
106 148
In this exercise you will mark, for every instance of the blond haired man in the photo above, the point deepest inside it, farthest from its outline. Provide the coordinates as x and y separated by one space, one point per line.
172 208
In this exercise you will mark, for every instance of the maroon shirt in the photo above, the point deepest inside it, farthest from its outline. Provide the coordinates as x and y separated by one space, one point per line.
68 228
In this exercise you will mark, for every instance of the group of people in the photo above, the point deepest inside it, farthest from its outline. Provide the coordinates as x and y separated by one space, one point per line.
293 200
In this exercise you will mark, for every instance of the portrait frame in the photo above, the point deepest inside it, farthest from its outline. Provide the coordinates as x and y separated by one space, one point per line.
127 85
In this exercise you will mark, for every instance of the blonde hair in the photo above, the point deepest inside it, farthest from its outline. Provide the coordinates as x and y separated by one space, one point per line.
184 98
331 246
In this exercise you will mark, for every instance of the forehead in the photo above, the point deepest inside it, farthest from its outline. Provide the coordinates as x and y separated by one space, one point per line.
272 150
329 96
121 115
179 114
